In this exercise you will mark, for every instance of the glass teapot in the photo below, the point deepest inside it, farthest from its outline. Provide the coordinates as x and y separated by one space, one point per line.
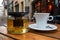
17 22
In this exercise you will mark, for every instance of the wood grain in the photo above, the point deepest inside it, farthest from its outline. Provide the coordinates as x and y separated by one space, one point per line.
33 35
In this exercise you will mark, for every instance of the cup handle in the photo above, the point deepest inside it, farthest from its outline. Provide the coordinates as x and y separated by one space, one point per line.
51 18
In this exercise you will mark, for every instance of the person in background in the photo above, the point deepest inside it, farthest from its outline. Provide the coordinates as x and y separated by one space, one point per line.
37 7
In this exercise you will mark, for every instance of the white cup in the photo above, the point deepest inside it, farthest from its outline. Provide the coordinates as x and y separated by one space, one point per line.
42 18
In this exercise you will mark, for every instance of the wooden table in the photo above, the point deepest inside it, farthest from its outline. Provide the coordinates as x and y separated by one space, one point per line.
31 36
38 35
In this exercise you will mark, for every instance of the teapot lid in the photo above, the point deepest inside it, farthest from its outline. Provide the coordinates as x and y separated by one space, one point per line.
17 14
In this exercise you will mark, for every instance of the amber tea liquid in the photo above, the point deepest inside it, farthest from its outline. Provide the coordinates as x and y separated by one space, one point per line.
17 26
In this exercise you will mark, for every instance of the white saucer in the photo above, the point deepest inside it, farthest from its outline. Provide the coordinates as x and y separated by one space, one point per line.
50 28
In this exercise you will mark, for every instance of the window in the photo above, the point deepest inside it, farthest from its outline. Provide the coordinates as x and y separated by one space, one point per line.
16 6
22 5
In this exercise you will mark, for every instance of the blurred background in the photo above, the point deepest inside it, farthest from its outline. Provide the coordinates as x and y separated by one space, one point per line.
30 6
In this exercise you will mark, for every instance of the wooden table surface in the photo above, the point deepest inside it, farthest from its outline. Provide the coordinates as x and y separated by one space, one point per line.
33 35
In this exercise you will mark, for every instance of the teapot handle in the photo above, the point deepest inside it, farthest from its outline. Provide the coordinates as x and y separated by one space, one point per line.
51 18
